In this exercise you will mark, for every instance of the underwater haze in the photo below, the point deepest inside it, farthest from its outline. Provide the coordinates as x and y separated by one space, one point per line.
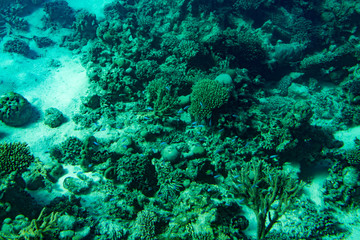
180 119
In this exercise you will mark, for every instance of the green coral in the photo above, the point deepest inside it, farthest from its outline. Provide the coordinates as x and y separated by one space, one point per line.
268 191
137 172
353 156
161 95
14 157
15 110
206 96
44 227
145 225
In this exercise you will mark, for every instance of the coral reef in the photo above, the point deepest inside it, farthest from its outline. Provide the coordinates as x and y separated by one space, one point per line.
17 46
260 186
59 12
206 96
85 25
144 225
15 110
53 117
40 228
43 42
221 119
15 157
161 96
137 173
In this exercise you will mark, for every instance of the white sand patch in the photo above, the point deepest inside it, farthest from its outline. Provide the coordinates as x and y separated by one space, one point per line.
93 6
348 136
36 24
44 86
314 191
251 230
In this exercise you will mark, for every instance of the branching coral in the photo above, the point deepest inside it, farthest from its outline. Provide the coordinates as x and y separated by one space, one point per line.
14 157
41 228
161 95
266 190
206 96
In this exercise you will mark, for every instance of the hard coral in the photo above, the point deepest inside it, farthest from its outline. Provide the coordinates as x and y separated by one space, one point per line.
145 225
14 157
267 191
161 95
60 12
15 110
206 96
17 46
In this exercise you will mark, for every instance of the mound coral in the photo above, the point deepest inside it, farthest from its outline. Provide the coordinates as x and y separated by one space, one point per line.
15 110
17 46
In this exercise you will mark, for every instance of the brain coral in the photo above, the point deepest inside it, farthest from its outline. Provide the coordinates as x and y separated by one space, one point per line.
15 110
14 156
206 96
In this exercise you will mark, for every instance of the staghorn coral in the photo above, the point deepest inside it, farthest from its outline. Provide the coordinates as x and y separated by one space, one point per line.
41 227
14 157
206 96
